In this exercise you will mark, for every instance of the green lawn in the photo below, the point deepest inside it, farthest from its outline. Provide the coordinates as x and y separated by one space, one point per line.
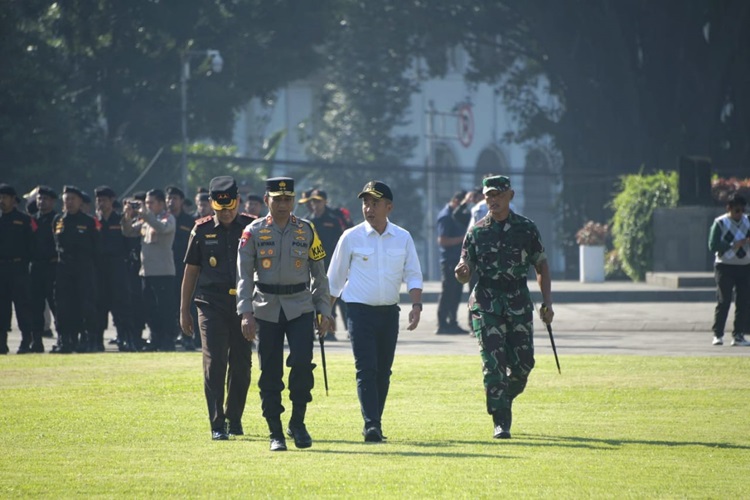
135 425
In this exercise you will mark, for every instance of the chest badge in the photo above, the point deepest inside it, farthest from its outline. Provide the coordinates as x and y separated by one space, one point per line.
212 261
297 263
365 258
265 263
270 251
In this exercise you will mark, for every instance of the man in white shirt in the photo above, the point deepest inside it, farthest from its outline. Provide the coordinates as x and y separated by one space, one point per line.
368 265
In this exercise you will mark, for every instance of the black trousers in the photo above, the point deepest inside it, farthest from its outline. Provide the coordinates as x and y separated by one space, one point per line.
75 289
731 278
42 293
113 296
450 297
158 301
224 347
15 290
299 335
373 331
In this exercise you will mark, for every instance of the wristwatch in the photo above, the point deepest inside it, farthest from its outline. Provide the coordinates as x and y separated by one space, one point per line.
417 304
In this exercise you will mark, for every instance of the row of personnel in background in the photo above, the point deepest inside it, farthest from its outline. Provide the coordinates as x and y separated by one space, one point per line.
103 269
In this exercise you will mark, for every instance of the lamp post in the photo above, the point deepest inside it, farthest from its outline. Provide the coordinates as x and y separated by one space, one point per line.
217 63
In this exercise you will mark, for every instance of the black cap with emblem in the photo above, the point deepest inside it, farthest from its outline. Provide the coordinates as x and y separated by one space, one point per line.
280 186
377 189
223 193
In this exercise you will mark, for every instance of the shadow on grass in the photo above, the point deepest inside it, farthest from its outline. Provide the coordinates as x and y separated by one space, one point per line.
575 441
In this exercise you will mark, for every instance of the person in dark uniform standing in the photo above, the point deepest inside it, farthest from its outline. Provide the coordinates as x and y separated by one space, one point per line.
112 275
77 240
211 274
43 265
16 247
282 284
183 226
329 228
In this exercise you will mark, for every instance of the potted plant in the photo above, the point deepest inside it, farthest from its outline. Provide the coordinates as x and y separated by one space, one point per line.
591 239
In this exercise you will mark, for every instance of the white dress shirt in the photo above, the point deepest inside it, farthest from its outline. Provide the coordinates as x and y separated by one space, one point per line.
368 268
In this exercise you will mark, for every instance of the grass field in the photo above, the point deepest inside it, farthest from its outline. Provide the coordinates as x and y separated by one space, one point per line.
125 425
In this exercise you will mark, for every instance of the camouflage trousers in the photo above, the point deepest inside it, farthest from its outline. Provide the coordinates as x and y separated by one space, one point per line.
507 347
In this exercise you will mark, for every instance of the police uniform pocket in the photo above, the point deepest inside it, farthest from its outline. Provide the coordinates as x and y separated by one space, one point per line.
396 259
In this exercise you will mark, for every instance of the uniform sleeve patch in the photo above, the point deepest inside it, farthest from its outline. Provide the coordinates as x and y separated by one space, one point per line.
246 235
316 251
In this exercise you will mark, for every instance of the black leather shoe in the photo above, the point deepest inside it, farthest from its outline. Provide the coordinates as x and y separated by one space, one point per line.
372 435
219 435
23 349
301 437
278 444
235 428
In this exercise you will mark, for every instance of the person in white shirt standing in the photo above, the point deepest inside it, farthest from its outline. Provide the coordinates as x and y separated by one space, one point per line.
370 262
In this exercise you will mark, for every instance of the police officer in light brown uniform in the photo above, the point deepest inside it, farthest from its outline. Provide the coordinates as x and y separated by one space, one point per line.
282 285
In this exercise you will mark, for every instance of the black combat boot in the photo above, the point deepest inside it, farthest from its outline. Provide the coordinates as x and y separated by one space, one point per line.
502 420
278 441
297 429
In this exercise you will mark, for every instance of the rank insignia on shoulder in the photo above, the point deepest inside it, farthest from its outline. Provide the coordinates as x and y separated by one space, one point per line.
204 219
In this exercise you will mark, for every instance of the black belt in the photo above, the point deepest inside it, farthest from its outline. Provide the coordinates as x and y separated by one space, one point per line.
281 289
502 284
221 289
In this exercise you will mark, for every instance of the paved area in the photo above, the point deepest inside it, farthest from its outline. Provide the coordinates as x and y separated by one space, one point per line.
615 324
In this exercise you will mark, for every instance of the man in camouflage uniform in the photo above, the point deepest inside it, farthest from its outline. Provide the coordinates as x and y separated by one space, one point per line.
282 283
499 248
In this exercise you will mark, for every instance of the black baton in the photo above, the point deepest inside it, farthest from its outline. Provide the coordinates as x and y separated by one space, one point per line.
552 341
323 354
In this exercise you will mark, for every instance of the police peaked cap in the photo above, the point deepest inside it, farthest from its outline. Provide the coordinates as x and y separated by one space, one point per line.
280 186
223 193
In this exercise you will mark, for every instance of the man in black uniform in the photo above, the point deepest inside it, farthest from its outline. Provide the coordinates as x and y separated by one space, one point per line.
16 246
184 225
211 263
77 240
43 265
112 275
330 226
138 309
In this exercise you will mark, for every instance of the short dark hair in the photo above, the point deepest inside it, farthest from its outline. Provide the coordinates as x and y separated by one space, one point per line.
736 200
158 194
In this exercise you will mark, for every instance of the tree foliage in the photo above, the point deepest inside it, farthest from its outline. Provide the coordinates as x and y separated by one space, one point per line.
98 88
634 207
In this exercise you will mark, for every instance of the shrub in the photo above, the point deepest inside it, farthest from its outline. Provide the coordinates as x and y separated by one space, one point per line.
592 233
632 222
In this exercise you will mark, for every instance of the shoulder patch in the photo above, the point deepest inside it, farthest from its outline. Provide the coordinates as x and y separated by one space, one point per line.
203 220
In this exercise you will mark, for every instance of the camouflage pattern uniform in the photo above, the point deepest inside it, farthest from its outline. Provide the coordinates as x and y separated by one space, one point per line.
499 254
